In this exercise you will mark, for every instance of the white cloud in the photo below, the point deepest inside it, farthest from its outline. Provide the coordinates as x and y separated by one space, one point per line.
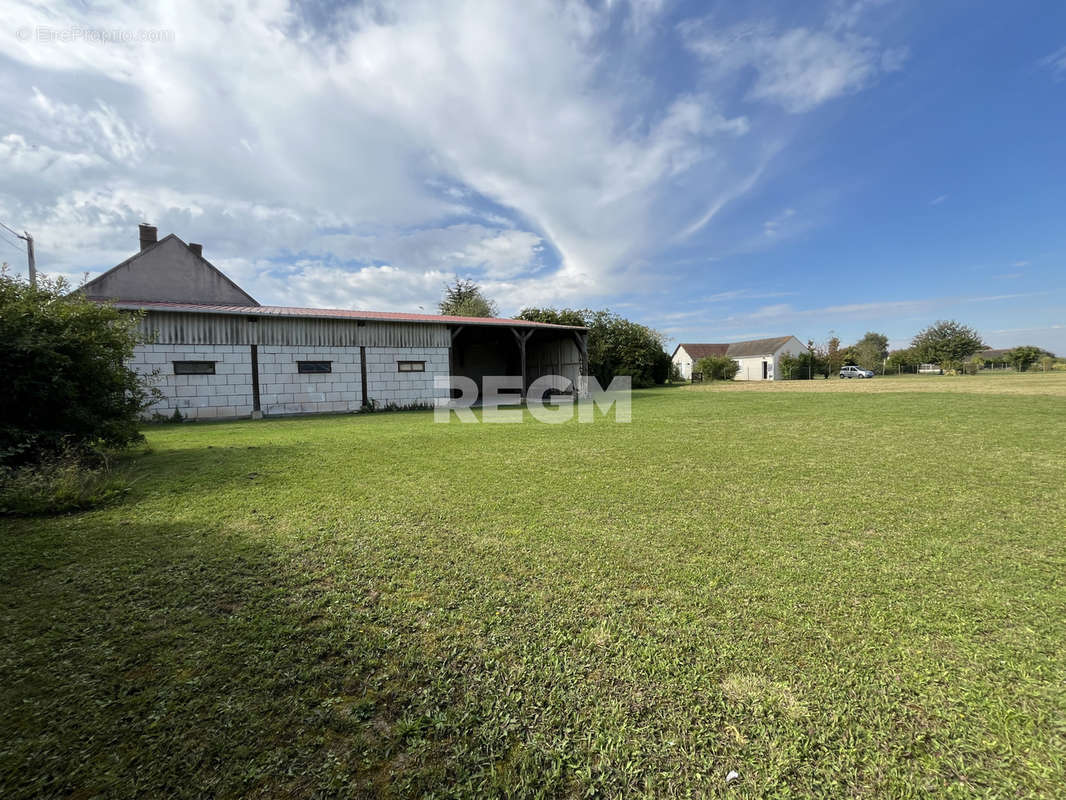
797 69
938 200
772 226
1056 62
437 138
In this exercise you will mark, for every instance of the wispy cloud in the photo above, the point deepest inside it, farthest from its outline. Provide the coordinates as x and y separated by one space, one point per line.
772 226
1056 62
798 68
938 200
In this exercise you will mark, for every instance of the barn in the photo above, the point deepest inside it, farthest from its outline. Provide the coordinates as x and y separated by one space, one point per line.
758 359
215 352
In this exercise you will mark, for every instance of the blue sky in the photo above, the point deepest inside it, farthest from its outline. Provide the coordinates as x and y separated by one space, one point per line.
717 171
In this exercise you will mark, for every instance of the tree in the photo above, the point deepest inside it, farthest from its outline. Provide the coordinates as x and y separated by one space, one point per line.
947 341
1021 358
717 368
834 355
465 299
812 363
870 351
904 359
552 316
67 386
616 346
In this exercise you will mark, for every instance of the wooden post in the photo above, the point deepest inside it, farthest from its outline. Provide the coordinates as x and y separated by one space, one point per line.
31 259
522 339
581 337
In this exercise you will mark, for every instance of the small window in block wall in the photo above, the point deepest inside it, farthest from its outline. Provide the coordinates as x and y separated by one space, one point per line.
194 367
314 367
410 366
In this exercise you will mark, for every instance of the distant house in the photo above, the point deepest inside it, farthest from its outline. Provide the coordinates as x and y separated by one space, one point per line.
758 359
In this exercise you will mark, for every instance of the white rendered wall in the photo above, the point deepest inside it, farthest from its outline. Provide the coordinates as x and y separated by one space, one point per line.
684 363
227 393
751 368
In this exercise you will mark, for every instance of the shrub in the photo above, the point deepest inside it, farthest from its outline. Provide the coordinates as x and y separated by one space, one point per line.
59 484
809 364
67 386
1022 358
717 368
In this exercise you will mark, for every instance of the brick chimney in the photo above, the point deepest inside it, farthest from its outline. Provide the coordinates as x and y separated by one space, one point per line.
197 248
148 235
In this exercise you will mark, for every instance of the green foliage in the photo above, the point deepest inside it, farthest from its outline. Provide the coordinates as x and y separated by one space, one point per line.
616 346
67 386
906 358
835 357
1021 358
716 368
465 299
554 316
947 340
675 373
813 363
59 484
870 351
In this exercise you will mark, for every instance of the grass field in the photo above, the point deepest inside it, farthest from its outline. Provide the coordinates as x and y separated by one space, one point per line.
833 588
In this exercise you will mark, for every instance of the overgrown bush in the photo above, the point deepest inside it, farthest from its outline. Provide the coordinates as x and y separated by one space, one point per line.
67 388
60 483
717 368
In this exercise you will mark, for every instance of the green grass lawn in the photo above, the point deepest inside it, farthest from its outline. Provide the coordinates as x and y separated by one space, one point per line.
833 588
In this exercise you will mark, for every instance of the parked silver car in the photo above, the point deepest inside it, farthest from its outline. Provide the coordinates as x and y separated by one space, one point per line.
855 372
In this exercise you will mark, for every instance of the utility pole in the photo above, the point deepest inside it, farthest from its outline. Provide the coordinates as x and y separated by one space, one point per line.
30 258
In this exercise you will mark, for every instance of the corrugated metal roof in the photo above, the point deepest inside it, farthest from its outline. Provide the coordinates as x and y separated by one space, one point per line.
753 347
334 313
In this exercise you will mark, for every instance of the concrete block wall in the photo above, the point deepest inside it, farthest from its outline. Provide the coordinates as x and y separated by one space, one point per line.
386 384
227 393
284 390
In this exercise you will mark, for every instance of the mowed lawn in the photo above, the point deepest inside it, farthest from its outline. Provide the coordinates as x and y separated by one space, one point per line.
835 589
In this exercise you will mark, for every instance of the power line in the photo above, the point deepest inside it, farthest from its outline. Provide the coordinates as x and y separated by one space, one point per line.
16 233
7 240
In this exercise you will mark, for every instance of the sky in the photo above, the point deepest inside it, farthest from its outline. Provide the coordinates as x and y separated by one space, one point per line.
717 171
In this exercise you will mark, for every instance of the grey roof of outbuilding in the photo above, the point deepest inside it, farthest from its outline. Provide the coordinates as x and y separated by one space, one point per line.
753 347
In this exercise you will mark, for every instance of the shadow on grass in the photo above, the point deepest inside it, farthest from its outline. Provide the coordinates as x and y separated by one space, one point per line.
157 660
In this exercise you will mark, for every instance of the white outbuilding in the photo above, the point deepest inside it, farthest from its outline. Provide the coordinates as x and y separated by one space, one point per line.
758 359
